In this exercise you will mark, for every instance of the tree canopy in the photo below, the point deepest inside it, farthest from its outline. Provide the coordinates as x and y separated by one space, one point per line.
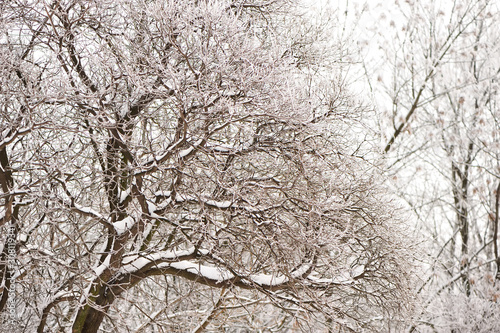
186 165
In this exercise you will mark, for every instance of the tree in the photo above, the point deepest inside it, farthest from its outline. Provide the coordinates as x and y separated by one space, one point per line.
178 165
442 120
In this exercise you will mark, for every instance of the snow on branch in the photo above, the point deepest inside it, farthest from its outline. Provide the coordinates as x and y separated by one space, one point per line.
124 225
89 212
154 209
138 262
219 277
186 152
182 263
102 267
13 135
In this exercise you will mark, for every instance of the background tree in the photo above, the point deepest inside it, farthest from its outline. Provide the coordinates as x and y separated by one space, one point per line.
438 73
185 166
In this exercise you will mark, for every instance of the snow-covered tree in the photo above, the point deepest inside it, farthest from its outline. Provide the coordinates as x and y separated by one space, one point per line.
187 166
438 70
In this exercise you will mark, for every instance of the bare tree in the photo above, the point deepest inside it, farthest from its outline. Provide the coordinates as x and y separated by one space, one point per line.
442 124
178 165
